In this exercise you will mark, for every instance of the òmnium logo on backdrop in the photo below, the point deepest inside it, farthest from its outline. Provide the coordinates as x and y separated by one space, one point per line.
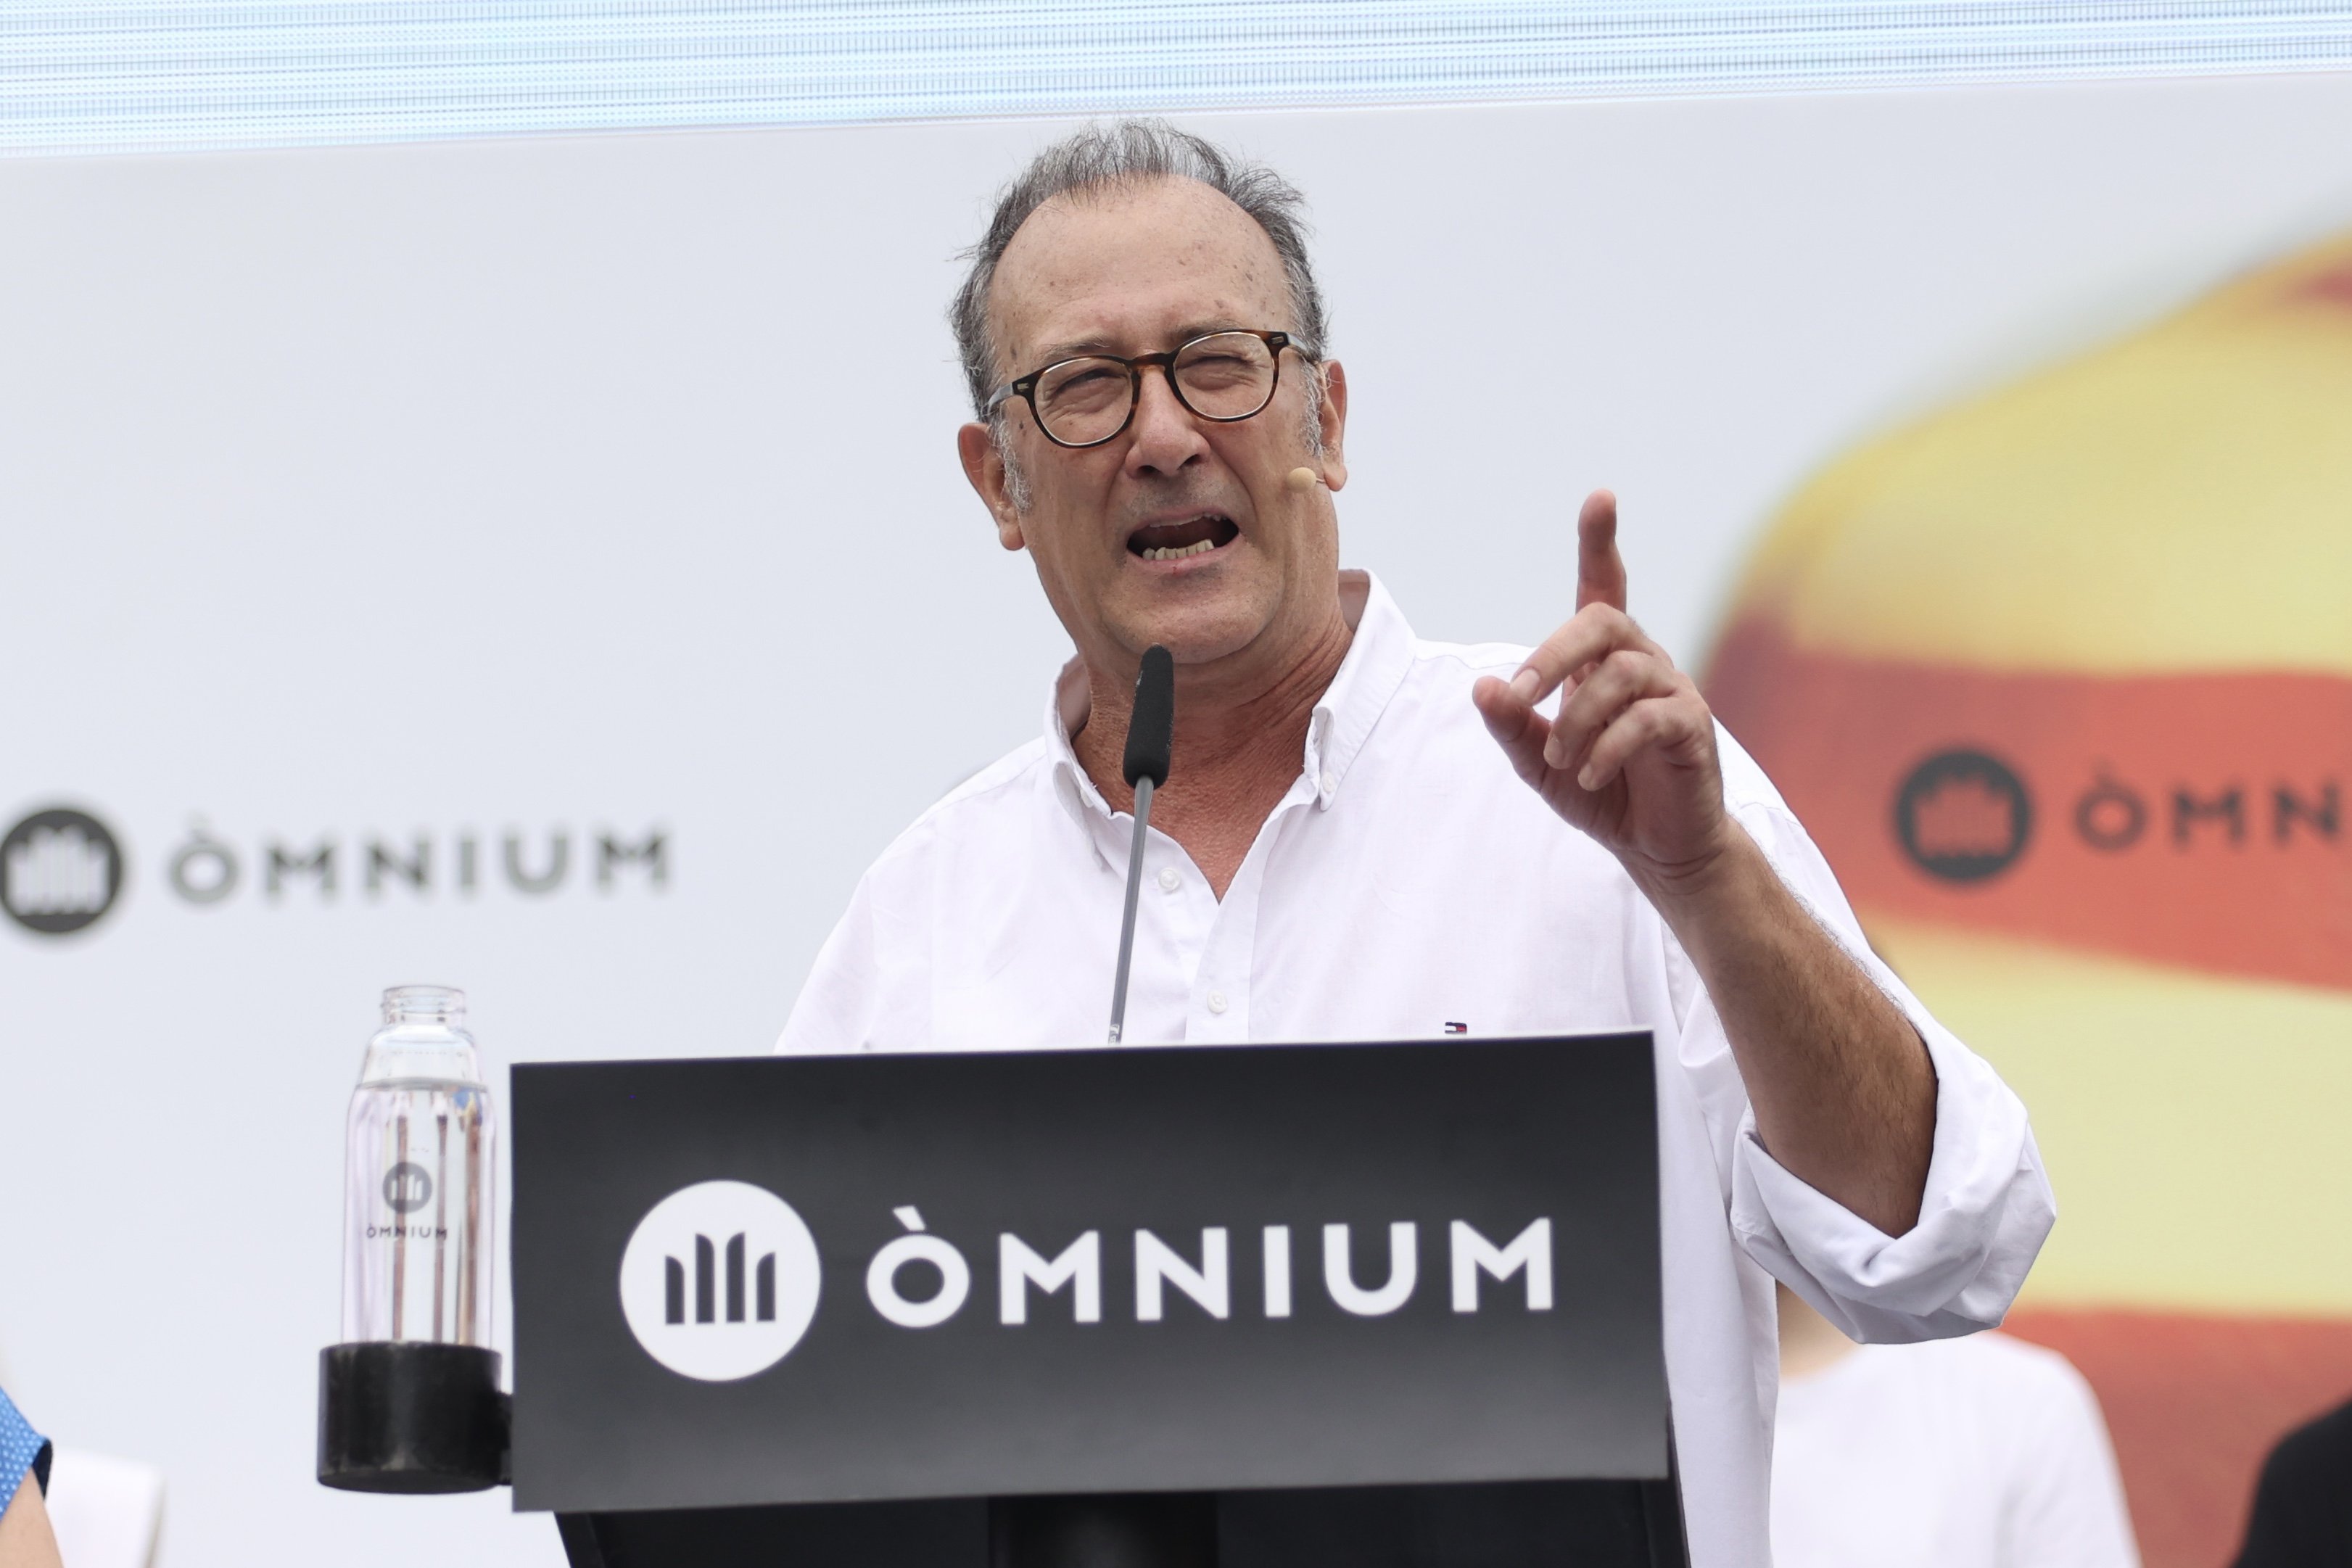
1963 815
719 1280
60 870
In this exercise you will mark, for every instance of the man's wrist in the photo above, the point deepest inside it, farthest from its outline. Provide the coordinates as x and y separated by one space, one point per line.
1706 890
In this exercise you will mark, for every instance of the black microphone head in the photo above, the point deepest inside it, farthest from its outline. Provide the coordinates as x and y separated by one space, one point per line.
1151 727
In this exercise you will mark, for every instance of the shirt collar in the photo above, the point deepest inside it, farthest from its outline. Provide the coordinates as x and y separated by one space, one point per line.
1377 658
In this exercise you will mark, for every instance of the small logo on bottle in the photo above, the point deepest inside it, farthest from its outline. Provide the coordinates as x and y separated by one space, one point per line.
407 1187
719 1280
60 870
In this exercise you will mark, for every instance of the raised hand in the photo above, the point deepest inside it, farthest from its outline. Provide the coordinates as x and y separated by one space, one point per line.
1631 759
1843 1091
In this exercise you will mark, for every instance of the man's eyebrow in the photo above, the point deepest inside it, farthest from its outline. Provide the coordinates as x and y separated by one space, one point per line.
1077 348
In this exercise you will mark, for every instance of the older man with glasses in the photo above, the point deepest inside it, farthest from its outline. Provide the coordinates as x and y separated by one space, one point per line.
1368 836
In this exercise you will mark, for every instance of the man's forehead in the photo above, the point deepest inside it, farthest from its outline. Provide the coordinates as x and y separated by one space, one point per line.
1117 260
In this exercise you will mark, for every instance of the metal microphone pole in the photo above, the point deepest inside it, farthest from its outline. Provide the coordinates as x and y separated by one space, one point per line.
1150 736
1127 921
1135 1530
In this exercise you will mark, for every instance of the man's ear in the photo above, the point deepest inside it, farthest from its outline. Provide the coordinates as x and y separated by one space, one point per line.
1334 380
983 465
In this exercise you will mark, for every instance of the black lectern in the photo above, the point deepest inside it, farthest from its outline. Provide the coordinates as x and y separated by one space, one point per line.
1386 1306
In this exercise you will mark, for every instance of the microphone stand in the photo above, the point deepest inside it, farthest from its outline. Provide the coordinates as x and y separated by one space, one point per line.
1126 920
1131 1529
1150 736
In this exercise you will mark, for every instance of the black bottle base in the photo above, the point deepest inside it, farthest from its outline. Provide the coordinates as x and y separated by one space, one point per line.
410 1418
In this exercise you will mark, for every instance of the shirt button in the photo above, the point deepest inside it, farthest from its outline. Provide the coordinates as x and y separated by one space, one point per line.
1330 781
1168 881
1216 1001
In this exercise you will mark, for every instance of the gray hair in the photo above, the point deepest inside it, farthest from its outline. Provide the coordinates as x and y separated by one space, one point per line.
1132 153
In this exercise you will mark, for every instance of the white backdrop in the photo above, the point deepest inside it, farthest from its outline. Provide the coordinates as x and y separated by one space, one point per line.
606 486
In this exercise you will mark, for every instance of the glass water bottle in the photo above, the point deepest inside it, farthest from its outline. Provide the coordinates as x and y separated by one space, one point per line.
417 1209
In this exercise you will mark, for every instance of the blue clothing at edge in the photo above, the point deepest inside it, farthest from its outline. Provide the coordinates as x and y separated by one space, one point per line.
21 1449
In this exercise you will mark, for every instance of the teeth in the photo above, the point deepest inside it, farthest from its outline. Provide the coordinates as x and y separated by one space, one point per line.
1177 551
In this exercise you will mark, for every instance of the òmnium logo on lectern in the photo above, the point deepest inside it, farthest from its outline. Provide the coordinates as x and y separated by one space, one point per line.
719 1280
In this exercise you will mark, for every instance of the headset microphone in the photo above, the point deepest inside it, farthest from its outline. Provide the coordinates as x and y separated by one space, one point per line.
1150 735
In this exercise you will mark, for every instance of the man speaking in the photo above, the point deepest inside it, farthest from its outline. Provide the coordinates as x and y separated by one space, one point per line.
1369 837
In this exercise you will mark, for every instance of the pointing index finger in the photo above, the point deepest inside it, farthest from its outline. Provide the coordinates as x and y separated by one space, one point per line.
1600 570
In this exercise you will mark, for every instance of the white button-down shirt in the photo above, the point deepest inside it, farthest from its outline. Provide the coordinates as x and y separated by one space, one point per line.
1410 886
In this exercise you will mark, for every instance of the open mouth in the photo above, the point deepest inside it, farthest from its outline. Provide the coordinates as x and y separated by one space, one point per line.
1175 540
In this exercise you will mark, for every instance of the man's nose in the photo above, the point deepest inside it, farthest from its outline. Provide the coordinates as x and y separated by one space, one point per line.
1166 435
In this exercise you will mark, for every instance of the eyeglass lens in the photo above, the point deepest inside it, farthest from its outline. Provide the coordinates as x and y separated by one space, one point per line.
1225 376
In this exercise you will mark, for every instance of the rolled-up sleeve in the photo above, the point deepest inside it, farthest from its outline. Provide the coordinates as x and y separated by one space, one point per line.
1987 1205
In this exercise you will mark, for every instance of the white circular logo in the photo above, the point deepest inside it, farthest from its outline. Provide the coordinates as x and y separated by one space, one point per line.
719 1280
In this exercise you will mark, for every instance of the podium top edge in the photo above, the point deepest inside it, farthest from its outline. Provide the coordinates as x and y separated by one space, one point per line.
1626 1037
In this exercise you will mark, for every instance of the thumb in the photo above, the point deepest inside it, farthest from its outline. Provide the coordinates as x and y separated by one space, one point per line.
1600 570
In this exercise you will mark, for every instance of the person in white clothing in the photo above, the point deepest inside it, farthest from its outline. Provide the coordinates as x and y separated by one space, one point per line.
1369 836
1982 1452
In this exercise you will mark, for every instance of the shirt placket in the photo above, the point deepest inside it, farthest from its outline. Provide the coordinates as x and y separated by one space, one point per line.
1219 1012
1174 916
